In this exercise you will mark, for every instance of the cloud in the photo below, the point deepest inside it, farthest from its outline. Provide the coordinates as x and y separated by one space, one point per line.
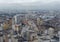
17 1
29 4
28 1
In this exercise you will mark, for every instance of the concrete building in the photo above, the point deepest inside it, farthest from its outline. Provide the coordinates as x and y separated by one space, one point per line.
51 32
17 20
39 21
1 34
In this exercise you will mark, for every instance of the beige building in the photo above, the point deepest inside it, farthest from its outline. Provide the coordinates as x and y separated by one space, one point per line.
51 32
32 36
39 21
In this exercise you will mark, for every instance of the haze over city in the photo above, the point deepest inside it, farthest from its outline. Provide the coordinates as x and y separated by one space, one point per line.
30 4
29 20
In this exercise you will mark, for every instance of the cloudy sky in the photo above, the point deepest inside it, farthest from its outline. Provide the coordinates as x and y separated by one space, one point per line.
27 1
30 2
34 3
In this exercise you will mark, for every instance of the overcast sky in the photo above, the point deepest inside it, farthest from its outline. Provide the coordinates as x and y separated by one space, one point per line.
34 3
30 2
27 1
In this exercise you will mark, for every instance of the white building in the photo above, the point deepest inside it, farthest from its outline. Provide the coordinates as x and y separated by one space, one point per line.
17 19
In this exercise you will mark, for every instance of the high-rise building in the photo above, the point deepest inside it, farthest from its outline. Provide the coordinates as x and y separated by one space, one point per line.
39 21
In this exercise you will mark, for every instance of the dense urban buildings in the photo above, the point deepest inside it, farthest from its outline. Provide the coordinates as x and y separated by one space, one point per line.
30 26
